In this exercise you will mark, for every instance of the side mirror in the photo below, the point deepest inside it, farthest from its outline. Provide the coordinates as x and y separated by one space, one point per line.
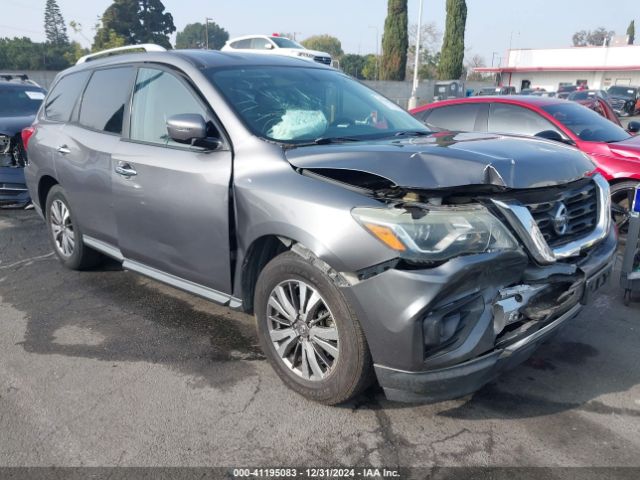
268 46
186 127
633 127
553 135
190 128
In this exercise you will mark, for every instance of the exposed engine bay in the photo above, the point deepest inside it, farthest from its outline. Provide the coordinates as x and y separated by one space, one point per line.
11 152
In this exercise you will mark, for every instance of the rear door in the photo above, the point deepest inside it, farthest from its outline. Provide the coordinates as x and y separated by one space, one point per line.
172 200
86 159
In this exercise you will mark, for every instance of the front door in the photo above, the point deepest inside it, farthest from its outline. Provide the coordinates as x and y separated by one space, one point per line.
172 200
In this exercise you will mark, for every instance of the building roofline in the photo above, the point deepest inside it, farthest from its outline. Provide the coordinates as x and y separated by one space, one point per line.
612 68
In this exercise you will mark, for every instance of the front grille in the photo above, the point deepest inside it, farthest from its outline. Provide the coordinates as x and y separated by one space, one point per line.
581 210
617 103
325 60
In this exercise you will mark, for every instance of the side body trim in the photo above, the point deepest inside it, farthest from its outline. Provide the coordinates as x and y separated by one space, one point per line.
177 282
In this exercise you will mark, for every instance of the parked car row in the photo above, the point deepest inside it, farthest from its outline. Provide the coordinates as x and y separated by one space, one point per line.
367 245
616 152
20 99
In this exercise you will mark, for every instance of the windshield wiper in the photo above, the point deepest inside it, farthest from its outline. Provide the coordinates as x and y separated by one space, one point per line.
328 140
412 133
322 141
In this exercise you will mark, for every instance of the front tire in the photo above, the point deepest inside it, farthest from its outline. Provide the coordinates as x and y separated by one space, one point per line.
621 203
66 235
309 332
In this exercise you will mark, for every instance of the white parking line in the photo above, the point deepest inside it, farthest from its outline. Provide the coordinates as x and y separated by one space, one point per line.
26 261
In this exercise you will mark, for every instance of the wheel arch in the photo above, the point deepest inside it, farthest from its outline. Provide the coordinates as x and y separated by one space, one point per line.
45 184
264 249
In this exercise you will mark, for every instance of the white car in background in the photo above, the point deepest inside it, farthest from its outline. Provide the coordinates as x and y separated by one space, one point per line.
275 45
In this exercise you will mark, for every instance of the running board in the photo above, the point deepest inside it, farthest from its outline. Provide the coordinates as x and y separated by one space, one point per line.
172 280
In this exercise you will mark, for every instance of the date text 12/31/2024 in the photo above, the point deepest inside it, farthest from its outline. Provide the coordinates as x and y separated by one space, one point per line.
315 473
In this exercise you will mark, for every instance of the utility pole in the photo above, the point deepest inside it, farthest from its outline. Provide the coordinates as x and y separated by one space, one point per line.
413 101
206 31
493 57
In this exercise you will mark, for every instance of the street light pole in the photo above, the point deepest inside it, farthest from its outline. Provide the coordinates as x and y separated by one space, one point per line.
206 32
493 57
413 101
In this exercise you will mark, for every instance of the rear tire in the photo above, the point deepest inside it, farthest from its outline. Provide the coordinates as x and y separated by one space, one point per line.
309 332
65 233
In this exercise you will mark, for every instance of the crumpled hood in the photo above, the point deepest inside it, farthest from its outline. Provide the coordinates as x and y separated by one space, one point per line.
447 159
13 125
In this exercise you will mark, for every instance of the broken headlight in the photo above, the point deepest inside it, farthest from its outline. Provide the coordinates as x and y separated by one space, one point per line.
436 234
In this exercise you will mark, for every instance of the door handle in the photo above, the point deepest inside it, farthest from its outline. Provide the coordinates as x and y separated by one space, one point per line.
126 170
63 149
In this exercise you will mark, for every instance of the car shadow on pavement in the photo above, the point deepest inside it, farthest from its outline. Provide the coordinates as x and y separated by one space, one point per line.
112 315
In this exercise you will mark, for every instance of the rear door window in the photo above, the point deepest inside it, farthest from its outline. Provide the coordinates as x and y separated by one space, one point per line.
260 44
460 118
517 120
105 98
63 97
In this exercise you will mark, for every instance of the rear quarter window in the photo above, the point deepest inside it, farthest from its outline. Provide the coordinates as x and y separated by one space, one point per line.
104 99
61 100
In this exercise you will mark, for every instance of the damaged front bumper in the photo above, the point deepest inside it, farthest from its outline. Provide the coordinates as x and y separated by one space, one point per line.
444 332
13 188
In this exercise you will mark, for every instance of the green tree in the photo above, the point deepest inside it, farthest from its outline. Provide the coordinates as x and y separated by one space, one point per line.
631 32
395 41
155 24
371 67
74 52
429 68
109 39
451 66
54 27
352 64
325 43
134 22
20 53
193 36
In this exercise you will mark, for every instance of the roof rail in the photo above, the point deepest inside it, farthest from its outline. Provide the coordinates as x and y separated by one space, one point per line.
147 47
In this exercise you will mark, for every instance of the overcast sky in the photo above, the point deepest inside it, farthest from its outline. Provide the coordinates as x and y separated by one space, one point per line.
491 24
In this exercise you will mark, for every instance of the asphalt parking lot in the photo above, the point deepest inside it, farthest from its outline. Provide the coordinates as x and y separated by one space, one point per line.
107 368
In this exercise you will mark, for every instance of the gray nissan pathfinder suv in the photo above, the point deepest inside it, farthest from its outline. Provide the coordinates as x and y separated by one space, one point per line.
366 246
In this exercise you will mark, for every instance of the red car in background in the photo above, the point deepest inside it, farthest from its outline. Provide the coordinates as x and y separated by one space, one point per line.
615 151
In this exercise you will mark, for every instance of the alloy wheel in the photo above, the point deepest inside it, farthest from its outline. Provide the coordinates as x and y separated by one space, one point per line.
303 330
62 228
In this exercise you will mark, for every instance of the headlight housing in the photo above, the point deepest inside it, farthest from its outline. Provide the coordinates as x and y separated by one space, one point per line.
438 233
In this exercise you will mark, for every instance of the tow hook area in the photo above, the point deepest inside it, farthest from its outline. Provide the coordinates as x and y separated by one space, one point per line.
537 302
507 310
